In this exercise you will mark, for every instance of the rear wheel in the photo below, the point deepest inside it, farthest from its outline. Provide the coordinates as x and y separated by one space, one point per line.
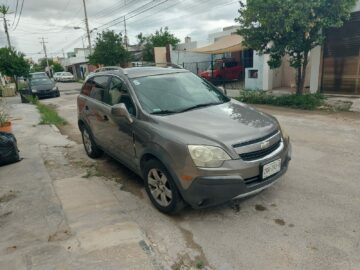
161 188
92 150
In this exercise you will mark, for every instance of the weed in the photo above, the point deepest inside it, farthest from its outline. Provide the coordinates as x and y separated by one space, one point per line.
306 102
49 116
199 264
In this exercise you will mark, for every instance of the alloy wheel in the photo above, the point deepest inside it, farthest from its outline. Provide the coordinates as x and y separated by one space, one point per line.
159 187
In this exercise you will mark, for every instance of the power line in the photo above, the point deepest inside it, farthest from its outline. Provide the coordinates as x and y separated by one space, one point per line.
17 4
21 9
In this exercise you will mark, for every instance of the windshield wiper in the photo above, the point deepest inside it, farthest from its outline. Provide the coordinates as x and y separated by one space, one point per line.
201 106
160 112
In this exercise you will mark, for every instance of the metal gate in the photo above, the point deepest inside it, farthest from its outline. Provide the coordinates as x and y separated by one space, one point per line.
341 62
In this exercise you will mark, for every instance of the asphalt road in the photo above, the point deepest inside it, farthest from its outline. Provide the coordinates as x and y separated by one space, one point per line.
309 220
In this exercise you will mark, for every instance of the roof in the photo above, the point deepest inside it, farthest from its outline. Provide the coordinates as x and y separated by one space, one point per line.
232 43
137 72
150 71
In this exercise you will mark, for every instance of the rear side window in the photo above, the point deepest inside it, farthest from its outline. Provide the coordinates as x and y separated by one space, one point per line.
86 89
95 87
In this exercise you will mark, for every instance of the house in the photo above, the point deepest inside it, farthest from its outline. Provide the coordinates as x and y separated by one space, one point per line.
77 63
333 68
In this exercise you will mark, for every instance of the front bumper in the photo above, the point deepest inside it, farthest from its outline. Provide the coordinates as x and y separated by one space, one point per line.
211 190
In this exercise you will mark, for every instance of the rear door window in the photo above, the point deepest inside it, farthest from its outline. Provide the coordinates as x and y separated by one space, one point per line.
98 88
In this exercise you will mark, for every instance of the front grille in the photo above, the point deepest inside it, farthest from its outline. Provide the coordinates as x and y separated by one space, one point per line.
260 153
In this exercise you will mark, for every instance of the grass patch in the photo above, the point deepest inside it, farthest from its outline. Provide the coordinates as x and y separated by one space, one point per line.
49 116
305 102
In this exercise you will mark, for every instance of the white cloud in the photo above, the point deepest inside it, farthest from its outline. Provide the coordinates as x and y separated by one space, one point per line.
55 20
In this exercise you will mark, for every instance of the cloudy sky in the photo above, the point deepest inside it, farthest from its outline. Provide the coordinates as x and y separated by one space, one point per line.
55 20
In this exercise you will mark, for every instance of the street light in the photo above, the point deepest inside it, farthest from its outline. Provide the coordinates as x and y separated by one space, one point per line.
78 27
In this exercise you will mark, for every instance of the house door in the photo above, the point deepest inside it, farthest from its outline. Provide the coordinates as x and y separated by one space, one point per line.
341 64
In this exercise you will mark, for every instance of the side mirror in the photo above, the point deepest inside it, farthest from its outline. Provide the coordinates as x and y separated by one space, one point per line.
121 111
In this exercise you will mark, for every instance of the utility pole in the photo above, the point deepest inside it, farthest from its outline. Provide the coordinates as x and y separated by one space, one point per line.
87 26
4 10
46 57
125 37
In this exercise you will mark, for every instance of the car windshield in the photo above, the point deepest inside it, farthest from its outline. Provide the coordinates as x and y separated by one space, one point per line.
40 81
175 93
67 74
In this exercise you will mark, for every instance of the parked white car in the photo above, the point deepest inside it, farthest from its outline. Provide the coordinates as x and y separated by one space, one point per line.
57 76
65 77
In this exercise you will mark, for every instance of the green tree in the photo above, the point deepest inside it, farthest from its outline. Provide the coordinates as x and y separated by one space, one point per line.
290 27
13 64
109 50
57 67
161 38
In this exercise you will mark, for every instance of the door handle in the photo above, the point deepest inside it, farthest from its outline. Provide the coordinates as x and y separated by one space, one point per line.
106 118
86 108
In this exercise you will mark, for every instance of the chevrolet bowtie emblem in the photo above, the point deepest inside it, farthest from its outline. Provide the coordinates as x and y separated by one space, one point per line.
265 145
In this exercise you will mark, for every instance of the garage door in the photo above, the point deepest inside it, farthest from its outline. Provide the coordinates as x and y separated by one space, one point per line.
341 66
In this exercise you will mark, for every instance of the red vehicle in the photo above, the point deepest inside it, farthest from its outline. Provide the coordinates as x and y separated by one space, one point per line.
223 70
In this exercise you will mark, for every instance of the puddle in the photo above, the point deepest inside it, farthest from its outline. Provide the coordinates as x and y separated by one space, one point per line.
280 222
260 207
8 196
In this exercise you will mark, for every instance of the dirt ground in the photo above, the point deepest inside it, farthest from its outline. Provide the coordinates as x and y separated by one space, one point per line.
308 220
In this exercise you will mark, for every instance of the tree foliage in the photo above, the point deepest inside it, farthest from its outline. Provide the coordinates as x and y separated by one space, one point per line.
13 64
161 38
56 67
109 50
292 27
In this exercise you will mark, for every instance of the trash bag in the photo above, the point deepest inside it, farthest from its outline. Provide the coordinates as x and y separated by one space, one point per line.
9 152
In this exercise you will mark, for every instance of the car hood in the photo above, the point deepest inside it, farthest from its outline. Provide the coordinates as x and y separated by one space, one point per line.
46 86
229 123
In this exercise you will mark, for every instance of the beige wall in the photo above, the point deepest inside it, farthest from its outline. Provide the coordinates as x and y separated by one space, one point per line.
288 74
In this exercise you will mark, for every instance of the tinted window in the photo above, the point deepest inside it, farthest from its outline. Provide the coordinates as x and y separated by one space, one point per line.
98 88
118 93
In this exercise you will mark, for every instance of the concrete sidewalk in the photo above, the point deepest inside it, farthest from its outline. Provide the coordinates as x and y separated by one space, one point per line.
62 223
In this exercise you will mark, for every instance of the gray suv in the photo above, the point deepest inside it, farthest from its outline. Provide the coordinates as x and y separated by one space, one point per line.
189 142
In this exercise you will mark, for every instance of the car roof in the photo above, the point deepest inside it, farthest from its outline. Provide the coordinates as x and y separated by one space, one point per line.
137 72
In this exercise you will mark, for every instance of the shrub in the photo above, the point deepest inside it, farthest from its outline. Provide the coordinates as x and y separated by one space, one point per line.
306 102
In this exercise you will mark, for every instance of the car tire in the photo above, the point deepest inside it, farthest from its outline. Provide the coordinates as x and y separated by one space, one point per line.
91 149
161 188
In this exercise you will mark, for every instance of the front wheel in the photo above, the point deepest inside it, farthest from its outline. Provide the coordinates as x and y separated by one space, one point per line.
161 188
92 150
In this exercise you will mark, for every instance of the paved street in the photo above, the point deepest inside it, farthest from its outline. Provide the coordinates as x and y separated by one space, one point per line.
309 220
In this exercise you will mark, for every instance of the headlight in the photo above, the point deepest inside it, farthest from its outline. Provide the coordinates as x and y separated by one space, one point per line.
207 156
55 88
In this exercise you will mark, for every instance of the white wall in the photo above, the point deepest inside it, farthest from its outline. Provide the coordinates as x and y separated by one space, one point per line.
357 7
252 83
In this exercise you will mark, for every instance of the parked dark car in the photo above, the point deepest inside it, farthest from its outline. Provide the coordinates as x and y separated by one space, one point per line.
186 139
41 86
